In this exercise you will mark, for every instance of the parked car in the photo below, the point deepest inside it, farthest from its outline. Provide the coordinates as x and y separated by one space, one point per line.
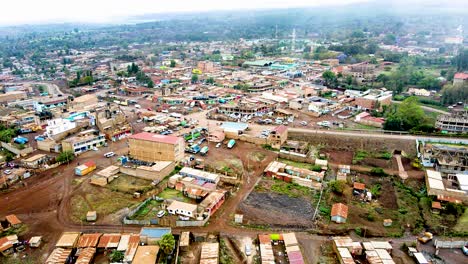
7 172
304 123
184 218
218 145
161 213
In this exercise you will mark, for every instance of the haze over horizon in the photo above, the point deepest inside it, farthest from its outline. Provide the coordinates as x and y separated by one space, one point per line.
119 11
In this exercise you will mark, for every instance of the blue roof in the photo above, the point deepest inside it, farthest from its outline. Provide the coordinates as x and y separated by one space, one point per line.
233 126
154 232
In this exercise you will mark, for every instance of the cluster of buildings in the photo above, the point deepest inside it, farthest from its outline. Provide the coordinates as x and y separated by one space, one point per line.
280 248
372 252
82 248
300 176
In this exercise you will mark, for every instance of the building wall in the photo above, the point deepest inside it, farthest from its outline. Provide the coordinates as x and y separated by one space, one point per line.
148 174
151 151
78 147
12 96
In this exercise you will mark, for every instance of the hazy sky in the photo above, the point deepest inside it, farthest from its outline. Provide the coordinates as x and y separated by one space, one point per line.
45 11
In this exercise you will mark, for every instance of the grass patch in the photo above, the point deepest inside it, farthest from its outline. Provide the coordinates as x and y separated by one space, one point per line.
147 211
174 195
409 212
290 189
80 208
296 164
225 256
359 156
462 224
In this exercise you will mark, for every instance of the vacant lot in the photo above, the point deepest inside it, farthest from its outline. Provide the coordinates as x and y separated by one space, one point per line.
101 200
278 204
128 184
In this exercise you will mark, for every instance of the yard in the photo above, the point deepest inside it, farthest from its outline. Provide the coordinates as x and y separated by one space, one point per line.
174 195
148 212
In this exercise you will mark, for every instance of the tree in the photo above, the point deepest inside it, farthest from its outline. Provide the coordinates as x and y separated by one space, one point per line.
210 80
329 77
389 39
167 243
173 64
337 186
65 156
150 84
194 78
383 78
116 256
461 60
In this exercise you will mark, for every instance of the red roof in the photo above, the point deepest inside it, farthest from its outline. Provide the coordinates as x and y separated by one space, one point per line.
109 240
340 210
264 239
155 138
359 186
88 240
90 164
461 75
280 129
12 219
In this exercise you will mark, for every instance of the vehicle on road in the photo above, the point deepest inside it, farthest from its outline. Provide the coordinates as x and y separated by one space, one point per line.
161 213
204 150
303 123
109 154
218 145
7 172
231 143
425 238
248 250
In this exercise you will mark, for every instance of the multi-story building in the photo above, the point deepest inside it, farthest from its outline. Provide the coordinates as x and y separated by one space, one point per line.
152 147
83 142
206 66
112 122
457 121
58 126
12 96
372 99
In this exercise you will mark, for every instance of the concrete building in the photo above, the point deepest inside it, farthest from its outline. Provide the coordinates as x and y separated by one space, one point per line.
12 96
454 122
278 136
206 66
83 142
154 147
146 255
58 126
84 102
374 99
112 122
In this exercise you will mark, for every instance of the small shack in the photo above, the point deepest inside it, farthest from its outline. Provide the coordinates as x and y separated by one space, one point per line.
339 213
86 168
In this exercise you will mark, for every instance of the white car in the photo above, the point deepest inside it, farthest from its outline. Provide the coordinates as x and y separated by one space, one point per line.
109 154
304 123
7 172
161 213
218 145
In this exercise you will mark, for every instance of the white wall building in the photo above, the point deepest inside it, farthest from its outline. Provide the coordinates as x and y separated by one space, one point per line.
59 125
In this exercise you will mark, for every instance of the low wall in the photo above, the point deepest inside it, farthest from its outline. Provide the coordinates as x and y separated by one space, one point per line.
246 138
450 244
299 158
351 143
192 223
21 152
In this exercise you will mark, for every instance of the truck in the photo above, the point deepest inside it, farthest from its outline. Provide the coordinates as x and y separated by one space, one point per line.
195 149
425 238
20 140
204 150
231 143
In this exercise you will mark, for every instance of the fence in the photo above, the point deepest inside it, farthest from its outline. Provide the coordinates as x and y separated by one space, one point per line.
450 244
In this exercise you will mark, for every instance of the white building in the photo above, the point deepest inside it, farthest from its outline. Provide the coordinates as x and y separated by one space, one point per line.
182 208
58 126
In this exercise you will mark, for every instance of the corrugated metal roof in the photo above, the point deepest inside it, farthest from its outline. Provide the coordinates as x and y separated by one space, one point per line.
88 240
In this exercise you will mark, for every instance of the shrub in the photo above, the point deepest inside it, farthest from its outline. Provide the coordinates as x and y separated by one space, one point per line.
377 171
370 217
337 186
316 167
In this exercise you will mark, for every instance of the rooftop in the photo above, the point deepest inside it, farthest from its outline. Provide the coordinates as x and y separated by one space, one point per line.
68 239
340 210
155 138
154 232
146 254
88 240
